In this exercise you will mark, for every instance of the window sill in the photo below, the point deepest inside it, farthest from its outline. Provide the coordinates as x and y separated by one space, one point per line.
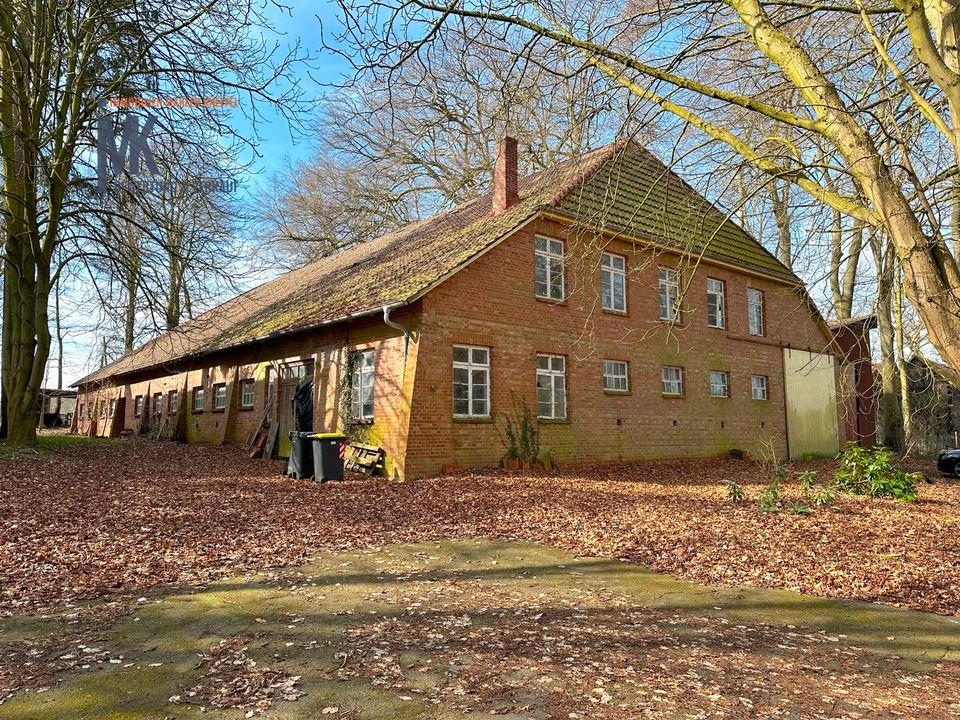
715 327
617 392
361 421
719 397
621 313
554 421
549 301
466 419
672 396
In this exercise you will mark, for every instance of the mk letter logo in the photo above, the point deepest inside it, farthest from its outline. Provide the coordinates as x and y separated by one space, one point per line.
134 147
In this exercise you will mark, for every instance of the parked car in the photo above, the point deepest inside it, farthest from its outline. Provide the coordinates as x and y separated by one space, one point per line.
949 462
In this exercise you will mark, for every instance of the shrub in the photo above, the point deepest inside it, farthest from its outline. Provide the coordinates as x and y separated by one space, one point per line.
522 434
770 498
734 492
798 507
872 472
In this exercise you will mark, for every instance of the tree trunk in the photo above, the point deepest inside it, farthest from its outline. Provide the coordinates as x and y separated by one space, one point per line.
891 419
905 406
781 213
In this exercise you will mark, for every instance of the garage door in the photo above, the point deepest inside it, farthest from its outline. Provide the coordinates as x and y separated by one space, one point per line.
811 394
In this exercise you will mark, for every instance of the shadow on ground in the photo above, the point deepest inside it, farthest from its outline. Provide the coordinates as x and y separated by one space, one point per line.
448 629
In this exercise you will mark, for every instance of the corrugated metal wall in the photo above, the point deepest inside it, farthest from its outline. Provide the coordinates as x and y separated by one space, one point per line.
811 395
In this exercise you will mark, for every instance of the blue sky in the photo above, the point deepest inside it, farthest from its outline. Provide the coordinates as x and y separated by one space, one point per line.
277 145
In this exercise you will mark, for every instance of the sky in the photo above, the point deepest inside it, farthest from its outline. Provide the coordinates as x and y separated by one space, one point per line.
278 145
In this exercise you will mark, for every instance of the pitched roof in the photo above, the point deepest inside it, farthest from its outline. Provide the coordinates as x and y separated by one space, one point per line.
621 187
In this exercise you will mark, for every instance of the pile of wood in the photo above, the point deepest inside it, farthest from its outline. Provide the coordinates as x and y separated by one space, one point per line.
262 441
366 459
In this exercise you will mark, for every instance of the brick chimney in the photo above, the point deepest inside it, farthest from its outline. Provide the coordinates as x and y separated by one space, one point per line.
505 175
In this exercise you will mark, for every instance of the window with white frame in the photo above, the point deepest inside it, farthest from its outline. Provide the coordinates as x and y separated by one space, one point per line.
246 393
551 387
158 403
113 407
361 385
613 282
198 399
549 268
616 376
671 380
755 311
219 396
471 381
138 406
758 387
669 294
173 401
716 306
719 384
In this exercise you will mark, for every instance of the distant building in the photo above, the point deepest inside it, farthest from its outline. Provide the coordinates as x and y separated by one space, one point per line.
934 405
631 316
57 407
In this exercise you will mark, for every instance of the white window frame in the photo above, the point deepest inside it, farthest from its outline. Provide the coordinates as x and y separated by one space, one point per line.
666 383
761 390
669 293
612 376
138 406
755 312
472 365
220 396
158 404
362 378
199 393
173 401
113 407
717 289
719 384
613 276
549 252
247 388
552 378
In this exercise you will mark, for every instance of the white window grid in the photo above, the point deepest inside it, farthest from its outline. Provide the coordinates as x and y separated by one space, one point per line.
755 311
471 381
669 294
671 380
758 387
548 257
716 304
616 375
551 387
361 385
613 282
719 384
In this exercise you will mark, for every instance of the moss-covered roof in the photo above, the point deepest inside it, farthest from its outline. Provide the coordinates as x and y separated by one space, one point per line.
621 187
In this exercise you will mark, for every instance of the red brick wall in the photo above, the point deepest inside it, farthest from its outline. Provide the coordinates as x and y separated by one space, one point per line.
491 303
327 348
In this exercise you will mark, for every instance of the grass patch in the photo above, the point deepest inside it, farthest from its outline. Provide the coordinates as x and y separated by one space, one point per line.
47 445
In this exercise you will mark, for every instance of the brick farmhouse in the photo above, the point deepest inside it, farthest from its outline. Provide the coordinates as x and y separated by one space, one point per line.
631 316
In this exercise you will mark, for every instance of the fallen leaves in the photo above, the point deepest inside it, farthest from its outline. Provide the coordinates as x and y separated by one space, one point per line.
128 515
234 680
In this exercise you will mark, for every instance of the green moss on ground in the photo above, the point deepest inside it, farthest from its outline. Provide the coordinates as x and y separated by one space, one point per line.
299 621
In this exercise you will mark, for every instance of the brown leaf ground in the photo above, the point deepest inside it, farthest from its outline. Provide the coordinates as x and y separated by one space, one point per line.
123 516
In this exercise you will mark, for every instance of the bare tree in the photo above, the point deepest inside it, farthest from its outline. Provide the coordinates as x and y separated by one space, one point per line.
60 64
840 60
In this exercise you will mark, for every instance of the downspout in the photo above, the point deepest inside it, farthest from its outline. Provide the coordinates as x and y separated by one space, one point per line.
397 326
